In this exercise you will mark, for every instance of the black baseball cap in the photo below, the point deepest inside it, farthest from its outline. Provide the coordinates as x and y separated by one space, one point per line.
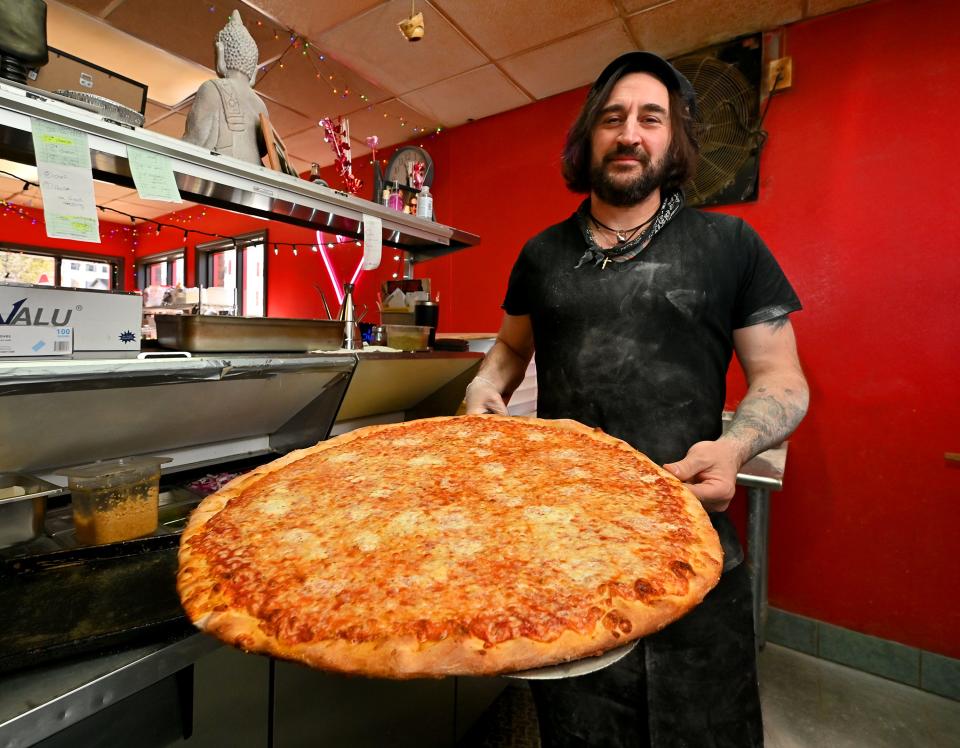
648 62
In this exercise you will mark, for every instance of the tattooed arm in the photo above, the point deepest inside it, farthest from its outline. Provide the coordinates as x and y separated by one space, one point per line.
774 405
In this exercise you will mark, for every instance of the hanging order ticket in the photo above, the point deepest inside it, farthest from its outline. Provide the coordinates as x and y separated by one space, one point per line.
66 182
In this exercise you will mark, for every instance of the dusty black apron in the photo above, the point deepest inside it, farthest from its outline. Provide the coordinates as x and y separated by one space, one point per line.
692 685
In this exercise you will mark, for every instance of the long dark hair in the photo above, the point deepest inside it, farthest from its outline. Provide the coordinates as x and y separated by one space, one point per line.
681 156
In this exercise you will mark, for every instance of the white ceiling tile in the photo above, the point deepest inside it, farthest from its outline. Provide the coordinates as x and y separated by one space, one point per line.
105 192
154 112
373 46
172 125
635 6
533 22
312 19
286 121
168 78
188 28
569 63
93 7
667 29
454 101
308 146
392 122
819 7
317 88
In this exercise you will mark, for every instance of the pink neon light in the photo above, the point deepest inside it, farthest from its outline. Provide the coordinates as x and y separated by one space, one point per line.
334 280
332 273
356 273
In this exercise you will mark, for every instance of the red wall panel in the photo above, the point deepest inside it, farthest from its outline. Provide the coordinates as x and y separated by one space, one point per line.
23 227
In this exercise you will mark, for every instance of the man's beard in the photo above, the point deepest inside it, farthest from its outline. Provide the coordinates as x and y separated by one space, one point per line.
621 191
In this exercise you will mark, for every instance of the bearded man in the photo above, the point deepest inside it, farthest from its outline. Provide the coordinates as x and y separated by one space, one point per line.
635 305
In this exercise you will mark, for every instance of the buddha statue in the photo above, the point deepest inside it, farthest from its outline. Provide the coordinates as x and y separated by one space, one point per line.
225 116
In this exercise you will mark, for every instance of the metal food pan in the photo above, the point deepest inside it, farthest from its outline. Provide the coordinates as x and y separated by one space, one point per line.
22 515
207 333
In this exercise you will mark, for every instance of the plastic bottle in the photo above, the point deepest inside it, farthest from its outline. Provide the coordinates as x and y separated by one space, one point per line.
425 203
395 200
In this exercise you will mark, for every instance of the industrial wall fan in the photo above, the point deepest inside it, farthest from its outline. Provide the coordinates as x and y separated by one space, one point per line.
726 79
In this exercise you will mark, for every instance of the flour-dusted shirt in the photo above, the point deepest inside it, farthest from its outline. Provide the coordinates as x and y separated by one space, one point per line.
641 348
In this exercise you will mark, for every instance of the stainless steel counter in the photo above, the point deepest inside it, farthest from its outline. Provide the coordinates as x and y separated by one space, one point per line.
37 703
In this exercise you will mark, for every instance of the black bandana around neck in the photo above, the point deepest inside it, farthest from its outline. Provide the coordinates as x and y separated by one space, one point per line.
595 255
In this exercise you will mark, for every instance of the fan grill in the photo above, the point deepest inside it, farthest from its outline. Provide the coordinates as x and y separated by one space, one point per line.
724 103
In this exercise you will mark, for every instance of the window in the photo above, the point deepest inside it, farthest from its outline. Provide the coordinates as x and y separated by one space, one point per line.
237 269
161 270
93 275
49 267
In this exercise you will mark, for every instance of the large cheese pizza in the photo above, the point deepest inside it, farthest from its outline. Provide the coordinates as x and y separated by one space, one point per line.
448 546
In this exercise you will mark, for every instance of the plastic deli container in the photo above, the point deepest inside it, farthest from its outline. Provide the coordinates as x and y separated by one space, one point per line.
115 499
408 337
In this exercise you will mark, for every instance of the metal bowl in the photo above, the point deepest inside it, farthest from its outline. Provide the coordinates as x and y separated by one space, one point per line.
23 506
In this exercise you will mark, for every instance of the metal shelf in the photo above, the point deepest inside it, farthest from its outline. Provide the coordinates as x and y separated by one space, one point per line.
209 178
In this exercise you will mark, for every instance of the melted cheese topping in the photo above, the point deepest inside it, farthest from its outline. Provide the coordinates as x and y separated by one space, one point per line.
534 542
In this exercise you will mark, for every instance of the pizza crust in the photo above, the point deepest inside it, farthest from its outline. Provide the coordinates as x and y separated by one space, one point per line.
622 619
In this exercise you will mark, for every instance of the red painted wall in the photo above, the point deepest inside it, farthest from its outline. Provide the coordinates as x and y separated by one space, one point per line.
859 180
23 227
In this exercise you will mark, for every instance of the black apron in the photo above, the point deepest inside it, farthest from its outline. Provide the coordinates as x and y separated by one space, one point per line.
692 685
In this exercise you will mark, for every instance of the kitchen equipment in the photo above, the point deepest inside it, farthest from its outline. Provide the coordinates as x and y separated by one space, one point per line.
23 502
205 333
408 337
323 300
352 340
115 500
106 107
85 599
576 667
428 313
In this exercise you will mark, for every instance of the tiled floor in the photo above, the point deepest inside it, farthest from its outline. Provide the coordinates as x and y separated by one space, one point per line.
811 702
807 703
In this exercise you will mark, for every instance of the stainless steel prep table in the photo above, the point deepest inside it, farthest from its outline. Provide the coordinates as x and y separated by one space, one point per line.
760 476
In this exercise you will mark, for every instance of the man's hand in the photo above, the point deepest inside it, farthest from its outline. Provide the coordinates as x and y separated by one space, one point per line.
484 397
710 471
503 367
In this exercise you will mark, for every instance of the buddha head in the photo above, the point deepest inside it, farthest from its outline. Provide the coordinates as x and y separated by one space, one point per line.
236 49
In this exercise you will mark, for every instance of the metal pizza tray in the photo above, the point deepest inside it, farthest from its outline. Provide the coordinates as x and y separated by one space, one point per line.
212 333
576 667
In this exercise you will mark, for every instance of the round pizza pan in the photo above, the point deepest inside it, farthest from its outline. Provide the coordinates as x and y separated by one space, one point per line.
576 667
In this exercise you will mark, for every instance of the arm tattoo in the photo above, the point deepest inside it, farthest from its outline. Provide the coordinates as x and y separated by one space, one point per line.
777 322
765 419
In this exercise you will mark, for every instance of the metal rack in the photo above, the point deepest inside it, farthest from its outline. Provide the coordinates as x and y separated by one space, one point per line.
210 178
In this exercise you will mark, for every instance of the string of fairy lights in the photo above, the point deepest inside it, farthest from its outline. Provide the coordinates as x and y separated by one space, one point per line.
134 230
322 71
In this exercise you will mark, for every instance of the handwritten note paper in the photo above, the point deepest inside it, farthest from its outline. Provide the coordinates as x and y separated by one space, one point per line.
66 182
153 175
372 242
